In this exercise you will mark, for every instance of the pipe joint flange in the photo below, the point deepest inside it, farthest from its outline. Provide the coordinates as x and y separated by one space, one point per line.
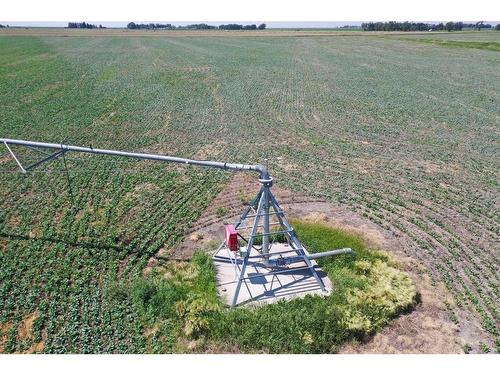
267 182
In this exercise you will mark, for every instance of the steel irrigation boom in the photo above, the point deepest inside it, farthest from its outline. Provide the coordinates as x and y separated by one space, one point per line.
263 206
62 148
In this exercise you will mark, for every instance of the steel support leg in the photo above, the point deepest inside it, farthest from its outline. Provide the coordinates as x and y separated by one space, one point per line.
295 242
249 249
265 225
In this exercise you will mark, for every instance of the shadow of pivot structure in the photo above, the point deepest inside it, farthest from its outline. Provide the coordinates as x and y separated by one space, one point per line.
254 228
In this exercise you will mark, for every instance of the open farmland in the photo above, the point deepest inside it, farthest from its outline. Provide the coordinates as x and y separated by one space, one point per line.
404 133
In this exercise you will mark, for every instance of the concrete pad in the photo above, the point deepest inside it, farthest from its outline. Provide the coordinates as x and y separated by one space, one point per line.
263 287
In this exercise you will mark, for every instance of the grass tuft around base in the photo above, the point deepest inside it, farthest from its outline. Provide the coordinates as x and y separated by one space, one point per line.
182 311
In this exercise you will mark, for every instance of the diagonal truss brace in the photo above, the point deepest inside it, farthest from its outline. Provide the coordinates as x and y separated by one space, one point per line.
15 158
50 157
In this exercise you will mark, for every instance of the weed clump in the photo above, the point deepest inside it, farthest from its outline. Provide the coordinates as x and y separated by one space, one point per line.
388 291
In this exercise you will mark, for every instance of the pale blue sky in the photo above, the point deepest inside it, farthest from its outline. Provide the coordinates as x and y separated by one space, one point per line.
323 13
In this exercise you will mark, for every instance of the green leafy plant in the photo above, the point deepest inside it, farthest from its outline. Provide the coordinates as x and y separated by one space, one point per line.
221 211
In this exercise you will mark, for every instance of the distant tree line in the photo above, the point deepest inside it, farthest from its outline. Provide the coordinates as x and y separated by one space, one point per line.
478 25
2 26
199 26
410 26
420 26
196 26
83 25
497 27
234 26
150 26
395 26
448 26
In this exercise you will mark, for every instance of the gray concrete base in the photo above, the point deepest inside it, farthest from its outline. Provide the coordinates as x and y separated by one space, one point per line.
265 288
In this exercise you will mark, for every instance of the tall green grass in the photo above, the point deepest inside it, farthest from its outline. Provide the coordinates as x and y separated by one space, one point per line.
368 290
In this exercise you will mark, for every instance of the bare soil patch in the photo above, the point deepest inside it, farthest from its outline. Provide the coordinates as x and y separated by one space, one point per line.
427 329
35 348
5 158
14 221
24 329
24 333
4 330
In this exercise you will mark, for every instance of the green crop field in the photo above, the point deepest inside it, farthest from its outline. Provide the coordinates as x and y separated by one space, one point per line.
404 132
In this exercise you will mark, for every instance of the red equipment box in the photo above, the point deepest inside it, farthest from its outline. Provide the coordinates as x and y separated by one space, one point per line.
231 237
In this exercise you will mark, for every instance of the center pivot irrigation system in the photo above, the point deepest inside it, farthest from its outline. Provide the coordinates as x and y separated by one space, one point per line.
261 208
